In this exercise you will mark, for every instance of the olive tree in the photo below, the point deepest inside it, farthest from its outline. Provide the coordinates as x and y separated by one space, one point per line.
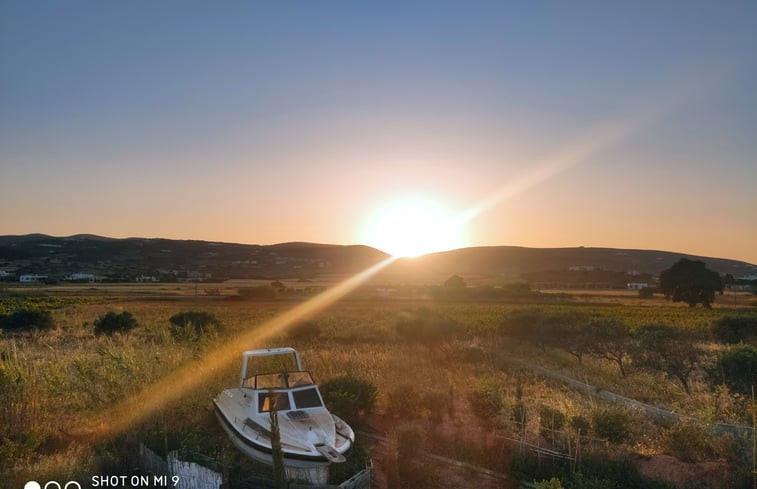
668 349
690 281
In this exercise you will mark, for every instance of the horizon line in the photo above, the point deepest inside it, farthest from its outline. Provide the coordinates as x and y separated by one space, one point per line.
313 243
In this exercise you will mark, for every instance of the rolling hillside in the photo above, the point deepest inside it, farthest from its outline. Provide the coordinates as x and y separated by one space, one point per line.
163 259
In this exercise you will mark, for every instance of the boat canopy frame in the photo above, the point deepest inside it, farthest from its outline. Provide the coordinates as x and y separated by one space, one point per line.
267 352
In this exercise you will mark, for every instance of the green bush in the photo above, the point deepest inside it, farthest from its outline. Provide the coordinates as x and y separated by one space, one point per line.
27 320
613 424
551 420
690 442
112 323
737 369
553 483
193 325
730 329
580 424
349 397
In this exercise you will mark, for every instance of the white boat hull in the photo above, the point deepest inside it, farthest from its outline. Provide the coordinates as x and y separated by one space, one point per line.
308 442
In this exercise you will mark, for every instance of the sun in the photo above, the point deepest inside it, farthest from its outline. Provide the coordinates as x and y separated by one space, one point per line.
414 226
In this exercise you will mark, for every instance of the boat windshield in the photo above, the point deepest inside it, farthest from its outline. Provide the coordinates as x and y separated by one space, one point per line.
303 399
306 398
284 380
298 379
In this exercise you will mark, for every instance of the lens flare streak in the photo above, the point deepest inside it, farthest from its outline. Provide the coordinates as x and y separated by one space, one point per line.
169 389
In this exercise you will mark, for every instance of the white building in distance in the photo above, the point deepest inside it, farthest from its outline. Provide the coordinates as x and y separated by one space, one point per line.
89 277
32 278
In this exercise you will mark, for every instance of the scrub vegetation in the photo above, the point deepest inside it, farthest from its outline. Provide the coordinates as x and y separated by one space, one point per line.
459 379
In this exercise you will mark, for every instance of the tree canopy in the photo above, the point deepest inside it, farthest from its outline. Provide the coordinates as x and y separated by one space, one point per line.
455 281
690 281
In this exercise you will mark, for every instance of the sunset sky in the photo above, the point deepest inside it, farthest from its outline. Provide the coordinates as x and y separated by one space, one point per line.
544 124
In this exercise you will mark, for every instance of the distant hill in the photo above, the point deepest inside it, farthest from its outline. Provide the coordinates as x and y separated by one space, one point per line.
512 262
133 259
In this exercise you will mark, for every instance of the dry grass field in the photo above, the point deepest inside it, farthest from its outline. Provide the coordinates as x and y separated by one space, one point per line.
450 383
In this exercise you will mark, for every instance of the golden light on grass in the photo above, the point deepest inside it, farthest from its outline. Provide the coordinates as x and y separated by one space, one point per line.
169 389
413 226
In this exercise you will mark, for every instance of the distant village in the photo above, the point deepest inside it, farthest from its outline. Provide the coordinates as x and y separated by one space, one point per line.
154 265
586 277
275 265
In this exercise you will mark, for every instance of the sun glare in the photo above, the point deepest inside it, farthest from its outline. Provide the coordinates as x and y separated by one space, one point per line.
414 226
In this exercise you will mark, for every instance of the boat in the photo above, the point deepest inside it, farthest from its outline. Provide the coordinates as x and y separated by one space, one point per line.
310 435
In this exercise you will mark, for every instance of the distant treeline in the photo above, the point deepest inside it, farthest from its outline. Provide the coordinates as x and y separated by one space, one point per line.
585 279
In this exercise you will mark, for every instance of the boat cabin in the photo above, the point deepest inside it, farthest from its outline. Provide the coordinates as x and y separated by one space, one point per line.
286 389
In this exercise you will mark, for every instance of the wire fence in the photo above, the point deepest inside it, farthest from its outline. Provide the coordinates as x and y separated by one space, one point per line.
654 413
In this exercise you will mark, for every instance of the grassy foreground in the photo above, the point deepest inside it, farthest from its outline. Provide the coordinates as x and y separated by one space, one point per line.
446 385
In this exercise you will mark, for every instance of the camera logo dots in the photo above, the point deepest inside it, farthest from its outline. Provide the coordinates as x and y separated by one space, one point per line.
52 485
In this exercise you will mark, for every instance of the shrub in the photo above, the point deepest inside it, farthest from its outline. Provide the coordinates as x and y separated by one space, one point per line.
456 282
112 323
613 424
580 424
349 397
553 483
690 442
551 420
737 367
27 320
730 329
193 325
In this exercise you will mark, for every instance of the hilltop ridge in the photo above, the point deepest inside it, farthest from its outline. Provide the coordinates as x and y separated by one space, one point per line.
130 259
